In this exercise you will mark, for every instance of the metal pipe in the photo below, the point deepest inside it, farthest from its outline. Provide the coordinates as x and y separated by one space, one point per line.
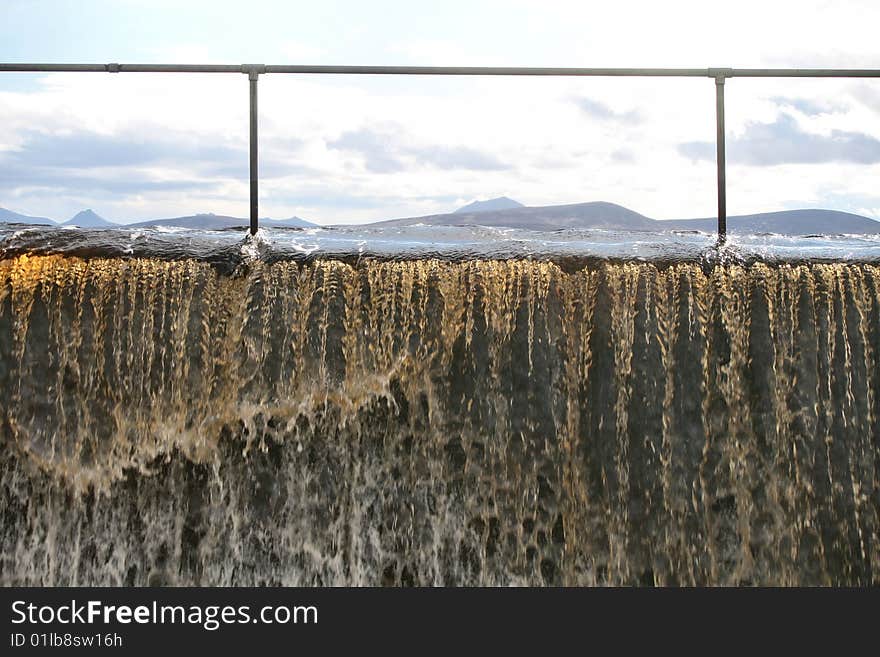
443 70
721 158
490 71
356 70
253 77
804 73
121 68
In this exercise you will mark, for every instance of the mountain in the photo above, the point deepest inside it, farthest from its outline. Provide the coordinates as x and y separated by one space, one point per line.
500 203
88 219
551 217
616 217
10 217
219 221
789 222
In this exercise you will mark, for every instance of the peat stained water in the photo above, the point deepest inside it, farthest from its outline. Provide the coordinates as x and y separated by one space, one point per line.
169 419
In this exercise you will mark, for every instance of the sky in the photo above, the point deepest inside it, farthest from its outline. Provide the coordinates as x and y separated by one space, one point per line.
351 149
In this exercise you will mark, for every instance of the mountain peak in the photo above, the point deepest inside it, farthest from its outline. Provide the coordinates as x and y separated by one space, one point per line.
87 219
499 203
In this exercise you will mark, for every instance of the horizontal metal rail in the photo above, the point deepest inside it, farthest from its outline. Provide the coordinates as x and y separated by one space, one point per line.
253 71
446 70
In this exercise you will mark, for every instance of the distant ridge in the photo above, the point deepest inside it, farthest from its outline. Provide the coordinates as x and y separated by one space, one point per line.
787 222
597 214
500 203
290 222
616 217
10 217
219 222
205 221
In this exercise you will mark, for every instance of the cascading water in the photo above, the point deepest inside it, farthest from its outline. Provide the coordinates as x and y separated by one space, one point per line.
437 422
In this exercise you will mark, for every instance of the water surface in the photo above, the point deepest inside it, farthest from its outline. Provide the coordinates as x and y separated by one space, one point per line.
443 242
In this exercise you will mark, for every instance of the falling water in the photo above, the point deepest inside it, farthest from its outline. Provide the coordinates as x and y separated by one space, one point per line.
435 422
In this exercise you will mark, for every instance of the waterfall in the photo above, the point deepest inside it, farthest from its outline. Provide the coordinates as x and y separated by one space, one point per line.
428 422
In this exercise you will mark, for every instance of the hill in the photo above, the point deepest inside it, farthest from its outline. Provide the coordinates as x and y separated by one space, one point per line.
10 217
616 217
551 217
789 222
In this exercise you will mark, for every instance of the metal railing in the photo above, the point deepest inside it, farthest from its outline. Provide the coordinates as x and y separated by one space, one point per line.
253 71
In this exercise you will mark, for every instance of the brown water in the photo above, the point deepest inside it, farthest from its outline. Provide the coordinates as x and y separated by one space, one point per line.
433 422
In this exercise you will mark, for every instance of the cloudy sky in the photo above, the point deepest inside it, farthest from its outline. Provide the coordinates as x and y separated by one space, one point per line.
352 149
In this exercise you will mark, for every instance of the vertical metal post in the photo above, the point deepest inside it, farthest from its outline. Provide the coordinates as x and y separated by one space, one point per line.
253 76
721 158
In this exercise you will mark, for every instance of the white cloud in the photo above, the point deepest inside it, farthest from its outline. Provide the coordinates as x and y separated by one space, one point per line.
621 143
